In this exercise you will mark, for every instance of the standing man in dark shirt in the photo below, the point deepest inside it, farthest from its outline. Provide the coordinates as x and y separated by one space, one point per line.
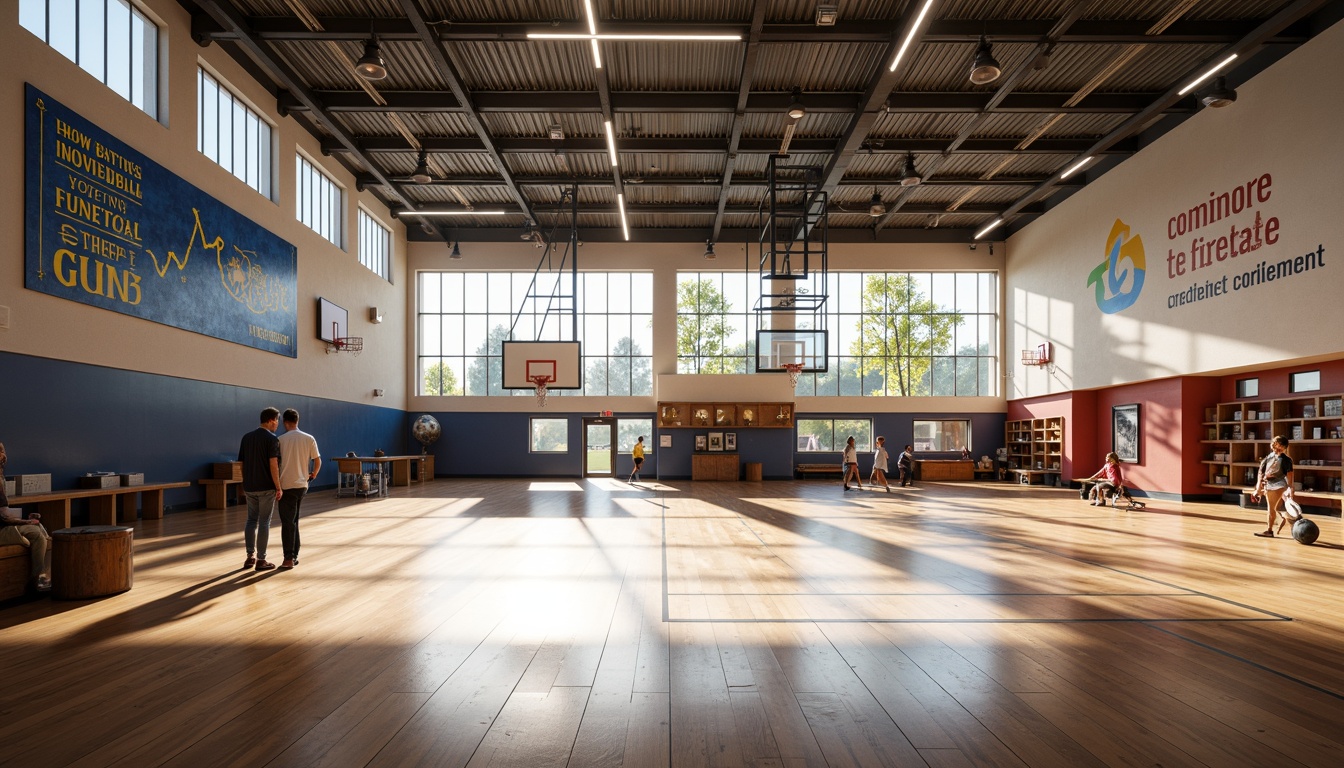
260 454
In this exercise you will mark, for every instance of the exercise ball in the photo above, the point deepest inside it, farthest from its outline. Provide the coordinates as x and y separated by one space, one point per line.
1305 531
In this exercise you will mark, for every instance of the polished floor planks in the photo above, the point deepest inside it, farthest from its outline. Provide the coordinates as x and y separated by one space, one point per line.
594 623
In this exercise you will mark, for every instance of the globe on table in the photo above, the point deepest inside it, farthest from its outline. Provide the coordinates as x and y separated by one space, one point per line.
426 430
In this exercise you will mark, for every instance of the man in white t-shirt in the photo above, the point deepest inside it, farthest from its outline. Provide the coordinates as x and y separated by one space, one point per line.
300 462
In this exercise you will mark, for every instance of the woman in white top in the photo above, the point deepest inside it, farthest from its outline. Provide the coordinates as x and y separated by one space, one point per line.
880 464
850 460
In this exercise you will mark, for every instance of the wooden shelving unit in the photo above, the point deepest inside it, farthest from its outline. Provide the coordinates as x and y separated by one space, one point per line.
1035 445
1237 437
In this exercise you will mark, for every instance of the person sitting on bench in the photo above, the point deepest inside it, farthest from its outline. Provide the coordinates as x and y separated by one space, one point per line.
1109 478
28 533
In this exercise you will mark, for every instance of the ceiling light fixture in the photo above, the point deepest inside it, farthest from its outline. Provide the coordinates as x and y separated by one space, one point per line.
709 251
421 174
985 68
631 37
556 132
988 228
611 143
1210 72
796 108
1074 168
827 15
462 212
625 226
456 255
910 36
909 176
1219 95
876 207
370 65
592 31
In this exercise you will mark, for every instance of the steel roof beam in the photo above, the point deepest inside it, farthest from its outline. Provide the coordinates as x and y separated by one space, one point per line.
747 74
725 102
597 145
1096 31
683 209
368 180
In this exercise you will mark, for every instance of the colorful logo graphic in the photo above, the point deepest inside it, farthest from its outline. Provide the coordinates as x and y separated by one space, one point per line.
1119 278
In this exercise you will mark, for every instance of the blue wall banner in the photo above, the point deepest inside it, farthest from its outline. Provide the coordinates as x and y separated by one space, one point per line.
108 227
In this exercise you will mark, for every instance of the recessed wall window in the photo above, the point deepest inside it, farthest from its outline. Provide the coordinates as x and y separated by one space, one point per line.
110 39
831 435
550 436
946 435
1248 387
319 201
1304 381
375 246
233 134
629 430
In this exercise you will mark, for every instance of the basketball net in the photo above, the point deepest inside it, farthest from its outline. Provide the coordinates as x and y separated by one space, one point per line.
793 369
540 383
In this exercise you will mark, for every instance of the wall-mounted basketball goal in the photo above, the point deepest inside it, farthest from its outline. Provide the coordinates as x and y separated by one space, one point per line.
793 268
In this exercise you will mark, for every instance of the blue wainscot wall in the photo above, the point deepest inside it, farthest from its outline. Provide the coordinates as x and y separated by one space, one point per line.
69 418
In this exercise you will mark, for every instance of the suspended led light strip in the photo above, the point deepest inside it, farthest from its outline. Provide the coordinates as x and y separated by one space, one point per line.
625 226
988 228
618 36
611 143
451 213
910 36
1207 75
592 30
1075 167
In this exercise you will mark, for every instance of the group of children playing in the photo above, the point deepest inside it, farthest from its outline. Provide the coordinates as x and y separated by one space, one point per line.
905 463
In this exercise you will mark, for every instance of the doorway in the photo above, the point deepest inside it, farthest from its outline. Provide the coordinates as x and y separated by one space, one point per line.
599 447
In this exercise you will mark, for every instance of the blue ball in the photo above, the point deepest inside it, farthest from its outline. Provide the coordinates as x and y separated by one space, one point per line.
1305 531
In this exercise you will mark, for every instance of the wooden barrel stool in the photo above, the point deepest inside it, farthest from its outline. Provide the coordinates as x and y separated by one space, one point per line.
753 471
91 561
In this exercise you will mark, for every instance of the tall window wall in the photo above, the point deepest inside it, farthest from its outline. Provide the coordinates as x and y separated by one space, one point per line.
375 246
319 201
232 134
464 318
110 39
889 333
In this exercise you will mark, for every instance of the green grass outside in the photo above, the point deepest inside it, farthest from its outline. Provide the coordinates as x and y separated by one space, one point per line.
599 461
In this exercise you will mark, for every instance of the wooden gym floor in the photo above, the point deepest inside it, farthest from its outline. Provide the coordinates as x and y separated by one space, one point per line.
589 623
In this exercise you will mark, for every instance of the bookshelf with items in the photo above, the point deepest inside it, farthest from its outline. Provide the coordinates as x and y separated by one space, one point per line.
1238 434
1035 444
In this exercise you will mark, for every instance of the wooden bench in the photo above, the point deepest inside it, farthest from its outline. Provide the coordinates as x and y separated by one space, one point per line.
217 492
107 506
819 469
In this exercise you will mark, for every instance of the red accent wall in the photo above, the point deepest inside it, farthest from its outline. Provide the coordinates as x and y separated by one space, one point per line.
1171 416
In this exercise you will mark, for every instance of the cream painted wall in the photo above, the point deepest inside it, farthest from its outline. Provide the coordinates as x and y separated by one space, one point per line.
1285 123
665 260
50 327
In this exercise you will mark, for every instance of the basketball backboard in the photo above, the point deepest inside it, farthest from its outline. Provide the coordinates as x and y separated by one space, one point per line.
775 349
332 321
524 361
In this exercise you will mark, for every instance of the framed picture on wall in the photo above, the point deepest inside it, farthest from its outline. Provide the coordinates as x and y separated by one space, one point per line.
716 441
1125 432
701 442
730 441
664 441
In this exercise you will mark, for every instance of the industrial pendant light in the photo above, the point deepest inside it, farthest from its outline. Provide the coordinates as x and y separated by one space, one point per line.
421 174
370 65
1219 95
876 207
709 251
456 255
985 68
909 176
796 108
